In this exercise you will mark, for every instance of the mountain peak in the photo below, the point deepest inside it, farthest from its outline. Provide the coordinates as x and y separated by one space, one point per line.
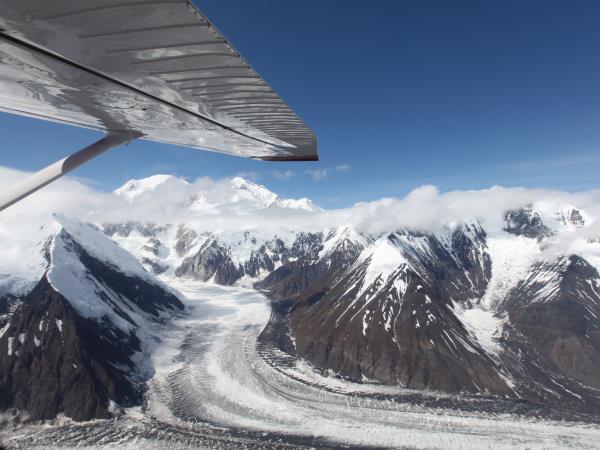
234 195
244 182
572 217
240 195
543 220
251 190
137 187
526 222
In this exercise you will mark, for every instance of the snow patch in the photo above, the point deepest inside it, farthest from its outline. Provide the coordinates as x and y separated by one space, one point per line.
101 247
512 257
4 329
11 342
383 261
483 325
22 264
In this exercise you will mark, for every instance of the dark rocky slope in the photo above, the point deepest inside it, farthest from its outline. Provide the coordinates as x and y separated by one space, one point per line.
553 333
213 261
407 325
58 359
403 329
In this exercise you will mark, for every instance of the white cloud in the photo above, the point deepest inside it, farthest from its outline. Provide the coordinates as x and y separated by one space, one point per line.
425 209
317 174
283 174
323 174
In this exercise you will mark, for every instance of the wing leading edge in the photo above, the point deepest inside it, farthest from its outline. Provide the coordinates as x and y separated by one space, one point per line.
158 68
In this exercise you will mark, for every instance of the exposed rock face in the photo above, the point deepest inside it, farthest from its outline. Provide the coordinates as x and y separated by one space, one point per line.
155 267
526 222
80 355
52 361
125 229
219 259
391 315
407 308
209 260
185 240
314 259
422 309
554 326
571 216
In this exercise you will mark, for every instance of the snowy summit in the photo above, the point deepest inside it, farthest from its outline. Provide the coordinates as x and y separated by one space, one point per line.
232 195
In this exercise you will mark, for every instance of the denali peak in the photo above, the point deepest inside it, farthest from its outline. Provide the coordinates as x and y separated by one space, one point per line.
235 195
133 189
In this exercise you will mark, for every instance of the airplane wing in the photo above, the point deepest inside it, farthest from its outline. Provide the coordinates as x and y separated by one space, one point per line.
152 68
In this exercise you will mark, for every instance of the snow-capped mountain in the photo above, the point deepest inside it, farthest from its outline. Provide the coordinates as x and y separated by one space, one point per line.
456 310
77 342
553 331
462 308
540 223
236 195
133 189
422 309
396 313
191 250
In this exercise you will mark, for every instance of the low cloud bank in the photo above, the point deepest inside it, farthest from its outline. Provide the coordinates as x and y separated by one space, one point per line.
423 209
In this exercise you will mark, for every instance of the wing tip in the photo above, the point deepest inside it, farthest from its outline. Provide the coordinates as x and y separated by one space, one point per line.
311 157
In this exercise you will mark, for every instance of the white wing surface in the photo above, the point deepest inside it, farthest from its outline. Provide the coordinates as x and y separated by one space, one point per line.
156 68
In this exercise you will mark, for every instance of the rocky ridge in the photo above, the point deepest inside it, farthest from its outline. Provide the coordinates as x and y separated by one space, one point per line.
461 309
78 342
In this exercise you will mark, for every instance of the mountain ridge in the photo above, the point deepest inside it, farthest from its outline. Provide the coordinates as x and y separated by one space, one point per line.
455 309
78 342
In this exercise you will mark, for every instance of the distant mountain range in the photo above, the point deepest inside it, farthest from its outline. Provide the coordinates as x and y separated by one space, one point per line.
462 309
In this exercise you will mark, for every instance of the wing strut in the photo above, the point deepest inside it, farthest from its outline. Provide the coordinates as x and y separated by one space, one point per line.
54 171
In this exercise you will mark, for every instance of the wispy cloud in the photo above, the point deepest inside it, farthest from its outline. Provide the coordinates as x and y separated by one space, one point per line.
283 174
317 174
323 174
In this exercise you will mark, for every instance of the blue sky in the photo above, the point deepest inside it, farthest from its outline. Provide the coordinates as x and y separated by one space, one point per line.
462 95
